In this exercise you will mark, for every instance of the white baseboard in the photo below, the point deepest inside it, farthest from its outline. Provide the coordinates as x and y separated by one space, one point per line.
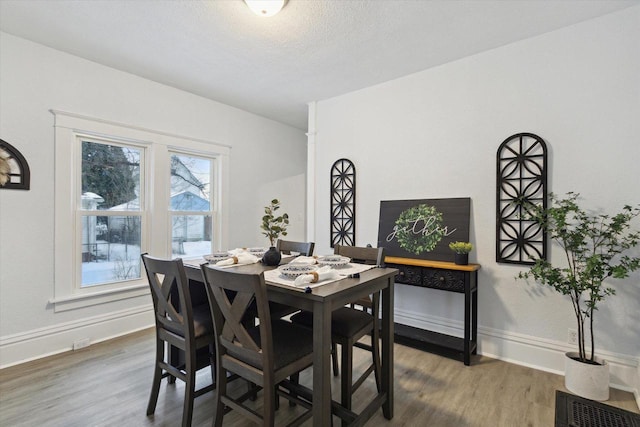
42 342
538 353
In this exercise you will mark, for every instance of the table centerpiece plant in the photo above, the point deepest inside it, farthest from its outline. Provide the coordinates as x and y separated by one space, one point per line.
273 226
596 247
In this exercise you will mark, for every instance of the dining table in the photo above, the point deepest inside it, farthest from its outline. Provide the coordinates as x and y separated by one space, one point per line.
322 301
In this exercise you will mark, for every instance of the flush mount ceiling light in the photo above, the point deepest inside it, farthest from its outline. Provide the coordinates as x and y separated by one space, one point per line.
265 8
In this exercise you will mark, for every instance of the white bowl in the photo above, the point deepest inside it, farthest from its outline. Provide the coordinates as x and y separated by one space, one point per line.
334 260
294 270
216 256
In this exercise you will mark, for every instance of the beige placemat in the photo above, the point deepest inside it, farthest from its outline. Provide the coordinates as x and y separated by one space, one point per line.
274 276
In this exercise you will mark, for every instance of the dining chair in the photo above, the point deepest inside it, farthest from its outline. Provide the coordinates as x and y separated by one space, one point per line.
265 354
349 324
184 327
287 247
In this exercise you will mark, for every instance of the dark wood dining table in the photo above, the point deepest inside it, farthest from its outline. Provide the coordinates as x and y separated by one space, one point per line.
322 300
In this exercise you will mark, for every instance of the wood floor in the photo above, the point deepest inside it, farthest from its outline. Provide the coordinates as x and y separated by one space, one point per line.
107 384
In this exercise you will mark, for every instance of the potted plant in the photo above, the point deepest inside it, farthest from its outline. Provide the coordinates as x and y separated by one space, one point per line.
461 250
594 247
273 226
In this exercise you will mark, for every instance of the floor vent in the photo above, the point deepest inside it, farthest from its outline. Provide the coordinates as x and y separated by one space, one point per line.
574 411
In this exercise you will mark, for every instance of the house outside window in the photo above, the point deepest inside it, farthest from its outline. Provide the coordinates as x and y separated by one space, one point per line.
191 205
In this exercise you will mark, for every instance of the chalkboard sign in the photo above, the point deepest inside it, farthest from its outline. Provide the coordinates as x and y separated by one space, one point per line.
423 228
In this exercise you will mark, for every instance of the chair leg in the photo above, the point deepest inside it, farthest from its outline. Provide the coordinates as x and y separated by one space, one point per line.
346 382
334 359
189 389
218 392
172 352
212 362
157 378
269 405
295 379
375 350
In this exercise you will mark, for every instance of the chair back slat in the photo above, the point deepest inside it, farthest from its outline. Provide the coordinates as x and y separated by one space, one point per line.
234 329
303 248
231 294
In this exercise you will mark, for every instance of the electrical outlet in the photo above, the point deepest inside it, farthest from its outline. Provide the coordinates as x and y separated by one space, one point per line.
77 345
572 336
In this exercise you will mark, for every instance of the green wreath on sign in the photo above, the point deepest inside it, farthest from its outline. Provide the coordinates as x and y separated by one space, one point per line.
419 229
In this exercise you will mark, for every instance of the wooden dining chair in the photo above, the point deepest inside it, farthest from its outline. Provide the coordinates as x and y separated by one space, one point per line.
184 327
265 354
302 248
287 247
350 324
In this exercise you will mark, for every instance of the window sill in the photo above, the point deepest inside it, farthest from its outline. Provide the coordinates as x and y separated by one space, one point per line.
77 301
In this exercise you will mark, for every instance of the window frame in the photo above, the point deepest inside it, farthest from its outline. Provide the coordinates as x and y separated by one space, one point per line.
70 128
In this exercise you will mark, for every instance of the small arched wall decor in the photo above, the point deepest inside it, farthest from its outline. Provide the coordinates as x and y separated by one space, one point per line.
521 180
343 203
14 169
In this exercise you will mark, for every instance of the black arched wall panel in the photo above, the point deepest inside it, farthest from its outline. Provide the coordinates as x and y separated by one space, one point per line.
343 203
521 180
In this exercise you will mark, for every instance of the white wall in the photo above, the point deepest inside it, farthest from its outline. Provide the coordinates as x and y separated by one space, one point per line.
35 79
435 134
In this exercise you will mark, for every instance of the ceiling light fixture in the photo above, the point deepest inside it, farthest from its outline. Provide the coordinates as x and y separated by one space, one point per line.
265 8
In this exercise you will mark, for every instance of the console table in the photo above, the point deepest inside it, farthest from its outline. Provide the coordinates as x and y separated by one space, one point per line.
448 277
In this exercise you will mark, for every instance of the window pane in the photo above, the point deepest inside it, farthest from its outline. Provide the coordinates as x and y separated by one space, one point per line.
190 183
110 249
191 235
110 177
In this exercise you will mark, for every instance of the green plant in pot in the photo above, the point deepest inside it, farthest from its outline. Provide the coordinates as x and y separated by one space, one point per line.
273 226
461 250
596 248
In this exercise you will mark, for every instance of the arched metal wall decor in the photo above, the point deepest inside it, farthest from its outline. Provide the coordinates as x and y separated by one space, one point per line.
343 203
14 169
521 180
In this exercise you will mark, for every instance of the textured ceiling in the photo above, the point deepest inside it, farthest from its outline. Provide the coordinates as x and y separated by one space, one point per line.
312 50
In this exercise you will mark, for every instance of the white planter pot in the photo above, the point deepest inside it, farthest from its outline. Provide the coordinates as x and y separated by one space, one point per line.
587 380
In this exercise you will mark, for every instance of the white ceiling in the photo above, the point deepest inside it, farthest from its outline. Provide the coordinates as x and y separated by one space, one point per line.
312 50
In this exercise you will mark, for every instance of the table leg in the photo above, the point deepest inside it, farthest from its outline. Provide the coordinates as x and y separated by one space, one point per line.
321 364
474 309
387 347
467 324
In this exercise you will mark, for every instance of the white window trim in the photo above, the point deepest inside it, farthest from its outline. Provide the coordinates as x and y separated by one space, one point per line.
68 127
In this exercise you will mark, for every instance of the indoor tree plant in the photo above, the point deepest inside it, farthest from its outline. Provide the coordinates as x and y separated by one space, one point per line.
595 249
273 226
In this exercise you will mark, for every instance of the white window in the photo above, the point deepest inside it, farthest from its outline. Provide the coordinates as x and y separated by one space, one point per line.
122 191
110 211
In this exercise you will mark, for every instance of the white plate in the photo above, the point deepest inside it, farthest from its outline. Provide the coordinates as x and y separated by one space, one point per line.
215 257
294 270
334 260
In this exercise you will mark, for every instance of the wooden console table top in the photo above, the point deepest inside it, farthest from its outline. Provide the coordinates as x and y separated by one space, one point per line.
432 264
